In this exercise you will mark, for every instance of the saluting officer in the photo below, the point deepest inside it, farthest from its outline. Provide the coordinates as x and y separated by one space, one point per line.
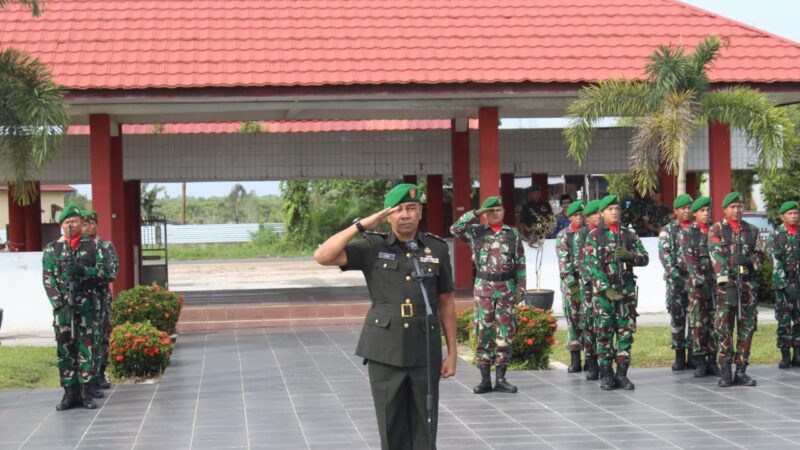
392 339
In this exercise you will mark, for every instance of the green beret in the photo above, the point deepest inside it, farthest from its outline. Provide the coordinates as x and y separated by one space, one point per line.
89 216
733 197
607 201
701 202
69 211
402 193
492 202
591 207
575 207
534 188
682 200
788 206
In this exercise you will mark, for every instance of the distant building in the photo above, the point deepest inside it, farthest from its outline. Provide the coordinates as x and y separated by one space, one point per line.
52 202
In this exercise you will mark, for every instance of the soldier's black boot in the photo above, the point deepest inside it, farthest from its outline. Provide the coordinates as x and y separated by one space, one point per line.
690 361
725 375
680 360
786 358
95 389
740 377
701 366
102 381
796 360
606 378
501 385
86 397
575 364
712 368
593 370
68 401
622 377
486 380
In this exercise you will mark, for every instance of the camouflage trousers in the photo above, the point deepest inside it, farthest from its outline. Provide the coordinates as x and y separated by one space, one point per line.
677 305
587 320
572 312
615 320
495 325
102 328
701 318
75 359
727 317
787 313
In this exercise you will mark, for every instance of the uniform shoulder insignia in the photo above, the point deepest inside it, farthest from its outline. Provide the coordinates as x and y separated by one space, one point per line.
434 236
377 233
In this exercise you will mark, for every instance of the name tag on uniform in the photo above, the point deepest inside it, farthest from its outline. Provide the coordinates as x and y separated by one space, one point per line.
385 255
429 259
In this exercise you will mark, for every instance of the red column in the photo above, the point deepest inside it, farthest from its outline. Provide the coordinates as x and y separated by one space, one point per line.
33 222
541 180
719 165
462 188
691 184
435 205
119 236
410 179
132 228
489 152
669 186
507 191
16 224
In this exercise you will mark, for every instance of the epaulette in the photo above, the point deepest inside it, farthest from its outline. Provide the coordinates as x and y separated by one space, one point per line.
434 236
377 233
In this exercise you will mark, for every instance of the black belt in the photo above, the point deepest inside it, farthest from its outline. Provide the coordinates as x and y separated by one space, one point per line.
496 276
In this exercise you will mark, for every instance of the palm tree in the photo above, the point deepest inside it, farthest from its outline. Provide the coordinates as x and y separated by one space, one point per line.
33 115
666 110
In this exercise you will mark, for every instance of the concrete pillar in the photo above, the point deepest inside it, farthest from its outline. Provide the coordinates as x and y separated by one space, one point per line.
719 167
541 180
462 188
412 179
435 210
507 191
16 224
33 222
489 152
133 234
691 184
669 186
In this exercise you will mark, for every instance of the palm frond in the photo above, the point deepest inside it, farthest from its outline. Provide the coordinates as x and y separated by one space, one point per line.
36 6
677 124
704 53
667 69
644 155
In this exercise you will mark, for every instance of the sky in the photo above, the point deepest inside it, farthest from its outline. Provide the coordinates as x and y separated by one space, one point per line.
775 16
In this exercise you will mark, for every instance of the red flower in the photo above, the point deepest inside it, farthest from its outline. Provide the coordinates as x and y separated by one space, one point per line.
529 342
525 319
524 308
119 358
553 326
166 315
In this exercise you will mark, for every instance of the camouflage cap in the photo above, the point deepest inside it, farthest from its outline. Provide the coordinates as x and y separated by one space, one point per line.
733 197
788 206
69 211
492 202
701 202
607 201
402 193
575 208
89 215
682 200
591 207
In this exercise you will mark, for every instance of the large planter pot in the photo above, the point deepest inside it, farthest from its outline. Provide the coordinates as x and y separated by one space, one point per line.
539 298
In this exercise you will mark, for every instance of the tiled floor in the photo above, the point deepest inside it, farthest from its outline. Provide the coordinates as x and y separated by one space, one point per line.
304 389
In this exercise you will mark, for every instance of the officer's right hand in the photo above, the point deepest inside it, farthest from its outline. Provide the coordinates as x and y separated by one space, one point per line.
378 218
481 211
790 292
74 270
613 295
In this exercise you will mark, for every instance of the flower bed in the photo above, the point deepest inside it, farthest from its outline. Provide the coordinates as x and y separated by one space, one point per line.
148 303
138 350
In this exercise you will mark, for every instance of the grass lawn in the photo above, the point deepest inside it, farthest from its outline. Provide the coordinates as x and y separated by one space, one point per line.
239 250
28 367
651 347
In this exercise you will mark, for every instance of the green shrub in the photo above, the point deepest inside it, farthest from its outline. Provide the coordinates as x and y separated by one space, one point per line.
464 325
138 350
765 291
148 303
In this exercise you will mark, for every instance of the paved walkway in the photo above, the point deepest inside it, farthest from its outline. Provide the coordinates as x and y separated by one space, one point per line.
304 389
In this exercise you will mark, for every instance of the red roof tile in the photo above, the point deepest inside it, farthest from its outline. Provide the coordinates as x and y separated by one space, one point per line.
149 44
46 188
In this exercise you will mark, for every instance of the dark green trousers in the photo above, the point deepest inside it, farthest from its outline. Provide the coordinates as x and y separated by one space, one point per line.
399 395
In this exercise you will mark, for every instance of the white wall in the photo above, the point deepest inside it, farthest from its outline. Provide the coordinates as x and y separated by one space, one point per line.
22 298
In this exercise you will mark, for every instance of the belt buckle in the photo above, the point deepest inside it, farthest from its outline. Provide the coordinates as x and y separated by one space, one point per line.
407 310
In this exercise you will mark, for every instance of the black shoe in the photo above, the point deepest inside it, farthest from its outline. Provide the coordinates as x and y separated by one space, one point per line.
68 401
742 378
622 378
786 358
592 369
701 366
501 385
607 381
680 360
796 360
486 380
575 364
102 381
725 375
712 368
690 361
86 397
95 389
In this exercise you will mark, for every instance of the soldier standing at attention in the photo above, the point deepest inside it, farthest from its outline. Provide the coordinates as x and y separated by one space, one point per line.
499 259
71 269
592 218
783 247
656 215
393 337
669 252
611 254
102 307
699 288
571 283
536 211
735 256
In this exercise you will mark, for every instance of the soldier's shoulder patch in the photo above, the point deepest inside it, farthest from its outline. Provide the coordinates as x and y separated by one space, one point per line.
434 236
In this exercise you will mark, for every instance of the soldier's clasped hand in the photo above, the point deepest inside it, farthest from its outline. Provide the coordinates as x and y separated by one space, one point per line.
624 254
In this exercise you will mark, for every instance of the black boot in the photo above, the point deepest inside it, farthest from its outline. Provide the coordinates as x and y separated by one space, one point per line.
712 368
69 400
95 389
700 366
690 361
796 360
607 381
786 358
102 381
725 375
575 364
86 397
500 384
486 380
622 377
740 377
680 360
592 369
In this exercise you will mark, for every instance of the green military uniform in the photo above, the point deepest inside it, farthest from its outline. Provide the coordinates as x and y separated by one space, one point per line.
571 287
392 339
783 248
587 303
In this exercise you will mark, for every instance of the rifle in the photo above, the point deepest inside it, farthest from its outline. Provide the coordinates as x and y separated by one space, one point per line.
71 289
739 271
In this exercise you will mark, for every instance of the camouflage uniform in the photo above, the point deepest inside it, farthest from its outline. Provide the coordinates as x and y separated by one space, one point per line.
102 305
675 275
614 317
657 216
699 285
75 360
498 255
587 305
784 250
724 244
633 214
565 248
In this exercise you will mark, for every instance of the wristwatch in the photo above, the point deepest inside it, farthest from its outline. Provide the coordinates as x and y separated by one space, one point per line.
357 223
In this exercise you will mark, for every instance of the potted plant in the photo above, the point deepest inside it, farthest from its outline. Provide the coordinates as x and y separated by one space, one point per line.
539 231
